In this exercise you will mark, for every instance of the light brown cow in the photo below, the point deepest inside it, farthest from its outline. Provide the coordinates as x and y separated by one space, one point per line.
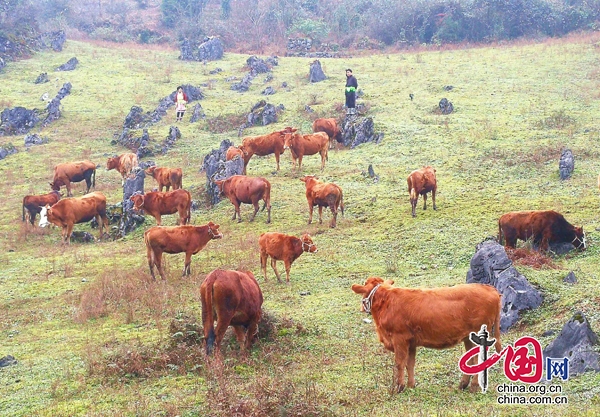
70 211
249 190
65 174
166 177
177 239
32 204
437 318
323 195
262 146
301 145
420 182
156 204
124 164
281 247
233 298
330 127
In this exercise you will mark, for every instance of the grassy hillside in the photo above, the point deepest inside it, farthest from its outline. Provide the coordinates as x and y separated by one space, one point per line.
91 331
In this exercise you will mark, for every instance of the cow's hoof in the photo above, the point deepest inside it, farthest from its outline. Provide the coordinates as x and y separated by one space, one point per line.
399 388
474 389
435 208
240 220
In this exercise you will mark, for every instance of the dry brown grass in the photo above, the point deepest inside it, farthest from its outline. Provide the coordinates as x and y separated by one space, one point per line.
225 123
531 258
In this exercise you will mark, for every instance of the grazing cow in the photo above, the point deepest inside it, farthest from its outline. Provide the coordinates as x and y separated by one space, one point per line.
323 195
233 298
156 204
301 145
32 204
124 164
330 127
284 248
232 152
177 239
263 145
166 177
437 318
543 226
69 211
421 181
65 174
250 190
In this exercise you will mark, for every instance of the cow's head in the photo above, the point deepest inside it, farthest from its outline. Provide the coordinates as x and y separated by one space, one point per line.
138 201
243 149
579 241
44 215
55 186
307 244
368 290
112 163
288 134
220 185
213 231
150 171
309 179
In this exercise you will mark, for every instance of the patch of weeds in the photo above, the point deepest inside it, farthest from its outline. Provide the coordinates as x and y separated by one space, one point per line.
557 120
225 123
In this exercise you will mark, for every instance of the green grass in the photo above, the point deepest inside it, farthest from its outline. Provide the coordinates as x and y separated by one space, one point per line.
516 107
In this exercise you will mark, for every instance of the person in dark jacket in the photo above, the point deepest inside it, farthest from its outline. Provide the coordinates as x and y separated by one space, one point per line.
351 86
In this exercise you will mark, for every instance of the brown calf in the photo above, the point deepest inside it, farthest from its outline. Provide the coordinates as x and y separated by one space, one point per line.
300 145
233 298
124 164
284 248
437 318
156 203
330 127
420 182
65 174
32 204
323 195
232 152
249 190
262 146
166 177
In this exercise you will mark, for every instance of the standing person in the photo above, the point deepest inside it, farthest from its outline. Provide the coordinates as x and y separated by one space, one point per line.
351 86
181 100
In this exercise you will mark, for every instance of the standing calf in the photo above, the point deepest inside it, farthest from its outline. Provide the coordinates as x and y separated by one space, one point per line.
421 181
284 248
323 195
32 204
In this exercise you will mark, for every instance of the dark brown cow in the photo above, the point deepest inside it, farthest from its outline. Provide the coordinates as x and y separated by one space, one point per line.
32 204
166 177
124 164
156 204
249 190
177 239
330 127
233 298
65 174
234 151
437 318
420 182
281 247
323 195
543 226
262 146
70 211
300 145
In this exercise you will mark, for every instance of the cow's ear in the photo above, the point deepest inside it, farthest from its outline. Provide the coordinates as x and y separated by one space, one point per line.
388 282
303 179
359 289
294 130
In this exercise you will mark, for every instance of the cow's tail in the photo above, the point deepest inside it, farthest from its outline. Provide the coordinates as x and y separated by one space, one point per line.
208 320
149 253
267 195
342 201
94 178
188 219
498 344
500 234
23 210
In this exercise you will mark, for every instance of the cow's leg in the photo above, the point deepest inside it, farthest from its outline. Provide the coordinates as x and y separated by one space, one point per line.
277 159
465 379
323 156
100 221
187 269
310 212
150 256
263 263
425 201
158 219
274 266
433 198
256 208
410 365
320 214
167 187
159 265
333 216
240 335
401 356
300 162
288 266
251 332
223 320
68 186
237 209
414 197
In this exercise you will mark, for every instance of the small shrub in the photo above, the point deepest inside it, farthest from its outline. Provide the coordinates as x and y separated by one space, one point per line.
225 123
557 120
526 256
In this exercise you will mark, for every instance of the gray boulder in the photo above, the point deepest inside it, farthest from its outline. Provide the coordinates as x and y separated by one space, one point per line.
42 78
82 237
570 278
17 121
208 49
566 165
358 131
135 118
2 64
35 139
6 150
169 142
576 342
197 113
70 65
490 265
53 108
316 73
268 91
263 113
130 220
7 360
446 106
257 65
243 85
216 168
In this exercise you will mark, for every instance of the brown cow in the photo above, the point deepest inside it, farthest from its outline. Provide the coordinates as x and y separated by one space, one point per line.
437 318
32 204
263 145
124 164
65 174
421 181
330 127
69 211
281 247
323 195
250 190
166 177
156 203
233 298
232 152
177 239
301 145
543 226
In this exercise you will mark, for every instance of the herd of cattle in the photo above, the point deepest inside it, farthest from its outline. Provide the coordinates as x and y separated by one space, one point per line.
234 297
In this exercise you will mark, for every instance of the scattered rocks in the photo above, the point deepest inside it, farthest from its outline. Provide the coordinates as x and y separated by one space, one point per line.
299 44
448 87
208 49
70 65
308 109
197 113
57 40
358 131
82 237
243 85
130 220
490 265
6 150
566 164
215 71
17 121
216 168
446 106
53 107
135 118
42 78
35 139
576 342
268 91
257 65
268 78
316 73
7 360
263 113
169 141
570 278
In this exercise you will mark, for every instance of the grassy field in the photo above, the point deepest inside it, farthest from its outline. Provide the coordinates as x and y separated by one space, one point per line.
94 335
